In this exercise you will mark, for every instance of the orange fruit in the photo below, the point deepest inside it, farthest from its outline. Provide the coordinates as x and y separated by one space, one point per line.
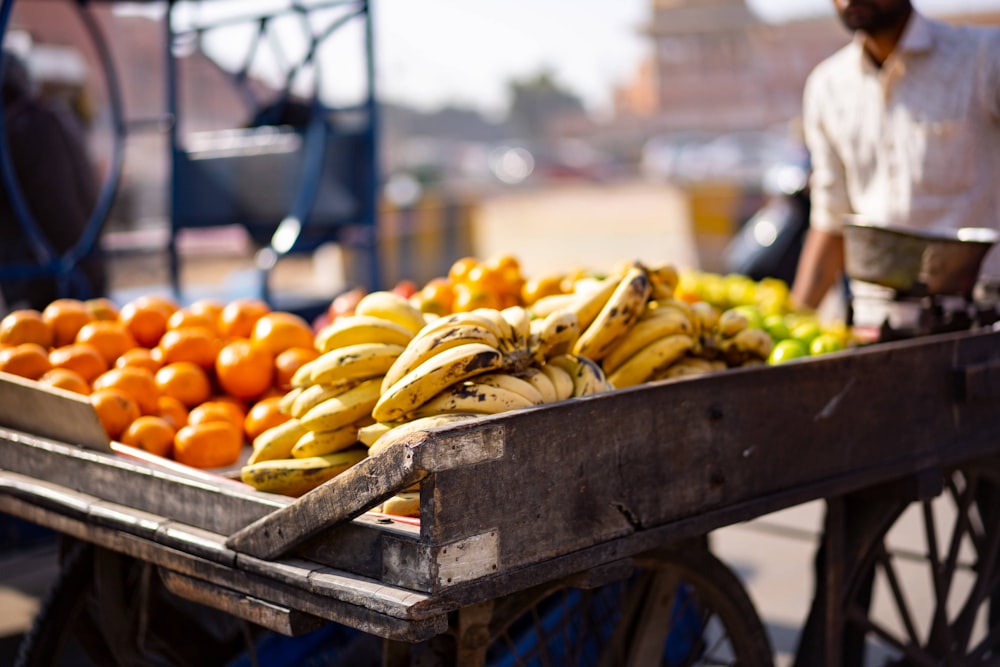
460 268
534 289
64 378
115 409
244 370
146 319
173 411
151 433
208 445
277 331
216 409
237 317
288 361
167 302
138 383
469 297
262 415
437 296
28 360
65 317
102 308
210 307
82 358
111 339
186 381
188 318
25 326
198 345
138 356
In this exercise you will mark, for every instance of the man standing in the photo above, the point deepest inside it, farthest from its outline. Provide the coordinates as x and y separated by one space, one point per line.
902 127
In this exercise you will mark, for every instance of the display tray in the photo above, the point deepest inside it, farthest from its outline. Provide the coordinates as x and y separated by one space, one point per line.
510 499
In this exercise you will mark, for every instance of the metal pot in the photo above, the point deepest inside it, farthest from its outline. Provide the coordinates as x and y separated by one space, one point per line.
916 262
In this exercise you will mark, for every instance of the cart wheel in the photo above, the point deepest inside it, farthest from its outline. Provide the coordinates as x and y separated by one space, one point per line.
108 610
679 607
947 615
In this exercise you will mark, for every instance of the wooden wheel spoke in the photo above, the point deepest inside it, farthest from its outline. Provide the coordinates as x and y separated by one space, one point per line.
885 560
912 653
940 633
987 645
986 582
656 618
963 526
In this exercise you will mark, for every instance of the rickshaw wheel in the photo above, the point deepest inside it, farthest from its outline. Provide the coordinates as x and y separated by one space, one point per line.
109 610
680 606
952 618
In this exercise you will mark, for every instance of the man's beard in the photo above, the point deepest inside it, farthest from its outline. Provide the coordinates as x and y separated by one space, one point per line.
871 19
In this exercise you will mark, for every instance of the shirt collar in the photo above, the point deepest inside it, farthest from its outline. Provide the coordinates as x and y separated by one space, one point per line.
918 37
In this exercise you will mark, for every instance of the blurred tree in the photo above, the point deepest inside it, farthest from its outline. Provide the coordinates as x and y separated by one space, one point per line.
535 102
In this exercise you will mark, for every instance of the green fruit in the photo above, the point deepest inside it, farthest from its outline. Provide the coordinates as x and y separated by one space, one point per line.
806 331
825 342
777 327
786 350
755 319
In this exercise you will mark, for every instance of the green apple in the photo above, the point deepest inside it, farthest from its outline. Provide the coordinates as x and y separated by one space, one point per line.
786 350
825 342
806 330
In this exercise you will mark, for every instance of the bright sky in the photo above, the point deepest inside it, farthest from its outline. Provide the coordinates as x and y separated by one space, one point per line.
464 52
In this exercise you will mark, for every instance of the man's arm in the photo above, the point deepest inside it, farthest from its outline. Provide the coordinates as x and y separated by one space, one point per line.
820 264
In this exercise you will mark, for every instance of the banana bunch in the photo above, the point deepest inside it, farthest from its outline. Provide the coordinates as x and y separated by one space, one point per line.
611 311
738 343
294 477
469 362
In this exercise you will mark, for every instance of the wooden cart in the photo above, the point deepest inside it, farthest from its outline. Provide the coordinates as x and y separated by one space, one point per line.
579 496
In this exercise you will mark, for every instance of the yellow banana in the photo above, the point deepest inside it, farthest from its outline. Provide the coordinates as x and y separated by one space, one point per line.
747 345
288 399
519 320
553 302
642 365
587 376
542 383
406 503
482 317
294 477
434 375
412 426
393 307
512 383
475 397
684 367
591 300
731 322
663 281
354 362
425 346
705 317
561 380
507 337
309 397
666 322
354 329
556 334
277 441
302 376
367 435
351 406
617 316
318 443
659 306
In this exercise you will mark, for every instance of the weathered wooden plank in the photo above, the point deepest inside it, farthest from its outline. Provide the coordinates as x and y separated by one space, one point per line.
265 614
369 606
50 412
219 505
606 466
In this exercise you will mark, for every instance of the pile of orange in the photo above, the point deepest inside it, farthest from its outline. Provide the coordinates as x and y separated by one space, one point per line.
194 383
496 282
